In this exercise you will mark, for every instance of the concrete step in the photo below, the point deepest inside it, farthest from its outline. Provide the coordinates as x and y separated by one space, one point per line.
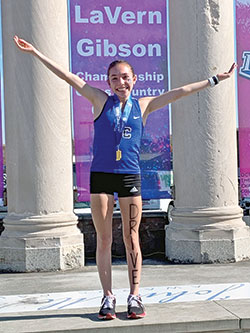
209 316
215 315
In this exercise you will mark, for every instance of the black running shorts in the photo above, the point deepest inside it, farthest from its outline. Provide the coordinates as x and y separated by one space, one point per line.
126 185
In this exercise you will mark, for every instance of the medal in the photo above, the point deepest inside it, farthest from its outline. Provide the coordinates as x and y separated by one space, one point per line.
118 154
120 120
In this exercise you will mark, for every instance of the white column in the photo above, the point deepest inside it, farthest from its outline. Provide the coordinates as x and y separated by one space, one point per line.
207 221
40 229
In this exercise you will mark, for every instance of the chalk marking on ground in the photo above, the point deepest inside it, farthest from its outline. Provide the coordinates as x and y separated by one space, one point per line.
150 295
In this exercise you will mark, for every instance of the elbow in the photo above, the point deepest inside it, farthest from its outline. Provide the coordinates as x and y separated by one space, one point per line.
67 78
181 92
185 91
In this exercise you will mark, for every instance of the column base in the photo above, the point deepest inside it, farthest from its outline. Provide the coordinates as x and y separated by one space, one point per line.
41 249
217 235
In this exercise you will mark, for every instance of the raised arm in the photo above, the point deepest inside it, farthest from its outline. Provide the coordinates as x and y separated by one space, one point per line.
150 104
96 96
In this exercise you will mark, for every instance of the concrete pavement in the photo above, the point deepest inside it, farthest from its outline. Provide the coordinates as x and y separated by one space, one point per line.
228 309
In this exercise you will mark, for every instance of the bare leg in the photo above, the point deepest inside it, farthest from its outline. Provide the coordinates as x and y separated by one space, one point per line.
102 211
131 210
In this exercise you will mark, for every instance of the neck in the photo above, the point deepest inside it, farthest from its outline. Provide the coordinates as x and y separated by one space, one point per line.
123 102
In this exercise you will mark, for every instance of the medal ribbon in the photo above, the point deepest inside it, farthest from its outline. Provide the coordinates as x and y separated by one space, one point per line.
120 121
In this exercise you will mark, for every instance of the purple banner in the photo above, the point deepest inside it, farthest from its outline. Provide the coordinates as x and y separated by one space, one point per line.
243 58
136 31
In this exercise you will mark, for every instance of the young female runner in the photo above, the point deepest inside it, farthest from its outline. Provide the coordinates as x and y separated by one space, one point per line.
118 123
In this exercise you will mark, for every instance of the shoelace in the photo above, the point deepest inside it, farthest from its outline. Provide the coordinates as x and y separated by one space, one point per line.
134 301
108 302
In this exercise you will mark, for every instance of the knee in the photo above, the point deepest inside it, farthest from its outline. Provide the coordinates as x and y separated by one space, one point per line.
131 241
104 242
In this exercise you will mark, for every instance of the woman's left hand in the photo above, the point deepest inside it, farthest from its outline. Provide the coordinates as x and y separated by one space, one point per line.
228 74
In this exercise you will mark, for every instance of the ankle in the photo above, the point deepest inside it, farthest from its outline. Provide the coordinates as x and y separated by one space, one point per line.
108 294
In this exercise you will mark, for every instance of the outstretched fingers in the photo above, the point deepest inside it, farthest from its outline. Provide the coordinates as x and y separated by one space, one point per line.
228 74
232 68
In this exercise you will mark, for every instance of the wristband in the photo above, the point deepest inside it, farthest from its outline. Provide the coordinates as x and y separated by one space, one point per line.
213 80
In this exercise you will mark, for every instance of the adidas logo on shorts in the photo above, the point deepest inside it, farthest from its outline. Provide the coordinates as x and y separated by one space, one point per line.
133 190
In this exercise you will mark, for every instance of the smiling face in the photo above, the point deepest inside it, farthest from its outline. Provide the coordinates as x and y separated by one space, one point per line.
121 80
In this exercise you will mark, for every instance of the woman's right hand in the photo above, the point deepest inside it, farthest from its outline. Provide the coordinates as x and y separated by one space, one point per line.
23 45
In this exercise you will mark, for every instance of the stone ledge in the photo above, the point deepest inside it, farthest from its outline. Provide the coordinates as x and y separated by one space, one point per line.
152 234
